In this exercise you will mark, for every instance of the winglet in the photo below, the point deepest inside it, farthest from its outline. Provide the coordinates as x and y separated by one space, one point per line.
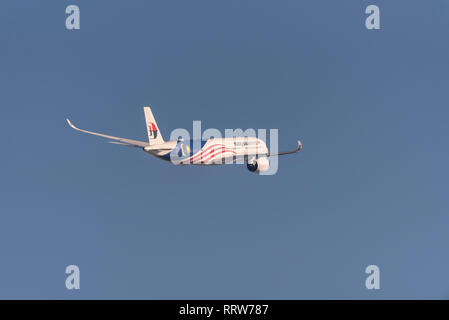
299 145
70 124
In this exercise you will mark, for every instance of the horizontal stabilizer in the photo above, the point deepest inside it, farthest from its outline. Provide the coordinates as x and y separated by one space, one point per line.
121 143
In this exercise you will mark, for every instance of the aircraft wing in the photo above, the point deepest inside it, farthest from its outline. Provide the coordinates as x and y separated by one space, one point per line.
299 147
231 157
123 141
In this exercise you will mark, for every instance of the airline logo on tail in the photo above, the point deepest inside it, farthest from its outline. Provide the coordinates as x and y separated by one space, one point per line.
152 130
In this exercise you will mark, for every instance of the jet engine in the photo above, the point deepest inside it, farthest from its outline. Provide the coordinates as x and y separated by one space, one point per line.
258 165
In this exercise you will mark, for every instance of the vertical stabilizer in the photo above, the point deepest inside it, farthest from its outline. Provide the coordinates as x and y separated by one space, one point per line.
154 135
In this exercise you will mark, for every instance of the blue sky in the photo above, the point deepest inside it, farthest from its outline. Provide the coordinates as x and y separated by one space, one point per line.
369 187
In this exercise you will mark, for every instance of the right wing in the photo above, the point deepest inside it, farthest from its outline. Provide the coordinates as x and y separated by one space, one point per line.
128 142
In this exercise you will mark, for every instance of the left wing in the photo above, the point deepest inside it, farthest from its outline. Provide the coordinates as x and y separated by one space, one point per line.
286 152
229 157
123 141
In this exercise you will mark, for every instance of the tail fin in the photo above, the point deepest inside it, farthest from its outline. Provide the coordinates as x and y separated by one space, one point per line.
154 135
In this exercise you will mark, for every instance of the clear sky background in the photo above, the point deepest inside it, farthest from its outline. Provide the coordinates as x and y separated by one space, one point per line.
369 187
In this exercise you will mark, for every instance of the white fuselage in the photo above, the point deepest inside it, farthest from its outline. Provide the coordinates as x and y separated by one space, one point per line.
212 151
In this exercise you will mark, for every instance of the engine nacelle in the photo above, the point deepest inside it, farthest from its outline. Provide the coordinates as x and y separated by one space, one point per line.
258 165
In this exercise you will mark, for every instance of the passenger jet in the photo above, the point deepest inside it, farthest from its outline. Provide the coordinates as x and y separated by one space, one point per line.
213 151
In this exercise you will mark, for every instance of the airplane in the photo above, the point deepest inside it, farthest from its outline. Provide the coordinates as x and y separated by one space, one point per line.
213 151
